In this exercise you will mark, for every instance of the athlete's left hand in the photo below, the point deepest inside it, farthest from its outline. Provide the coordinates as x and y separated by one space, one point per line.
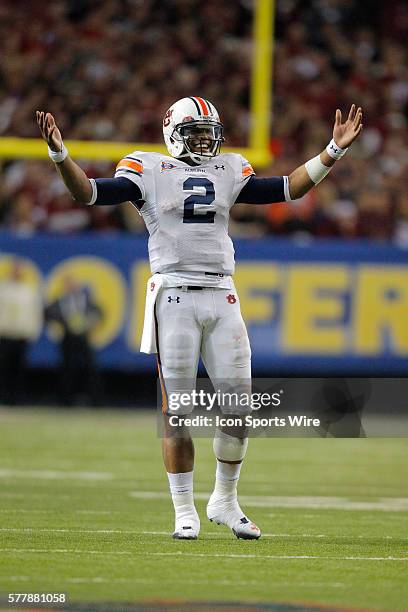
345 133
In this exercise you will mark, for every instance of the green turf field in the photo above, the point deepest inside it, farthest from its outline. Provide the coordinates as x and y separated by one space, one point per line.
84 510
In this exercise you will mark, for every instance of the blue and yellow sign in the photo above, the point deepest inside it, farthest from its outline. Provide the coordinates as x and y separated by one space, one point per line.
331 306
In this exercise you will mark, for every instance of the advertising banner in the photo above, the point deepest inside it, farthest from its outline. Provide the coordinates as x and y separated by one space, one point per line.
318 308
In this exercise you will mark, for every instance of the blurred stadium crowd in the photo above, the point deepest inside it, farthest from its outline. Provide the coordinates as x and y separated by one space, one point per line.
108 71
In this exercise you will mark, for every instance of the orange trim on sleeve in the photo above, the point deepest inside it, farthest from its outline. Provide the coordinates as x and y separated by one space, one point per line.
247 170
129 163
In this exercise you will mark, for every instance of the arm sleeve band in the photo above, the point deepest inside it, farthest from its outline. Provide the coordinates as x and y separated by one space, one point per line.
265 190
107 191
316 170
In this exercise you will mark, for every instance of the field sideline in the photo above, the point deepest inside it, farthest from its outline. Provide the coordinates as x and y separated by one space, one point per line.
84 510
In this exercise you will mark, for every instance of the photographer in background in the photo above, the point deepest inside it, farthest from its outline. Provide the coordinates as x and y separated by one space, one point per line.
77 314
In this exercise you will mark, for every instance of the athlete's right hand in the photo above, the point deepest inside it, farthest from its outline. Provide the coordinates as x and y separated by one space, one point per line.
49 130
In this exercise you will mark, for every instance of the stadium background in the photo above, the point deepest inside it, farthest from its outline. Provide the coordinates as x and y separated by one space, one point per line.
323 281
84 507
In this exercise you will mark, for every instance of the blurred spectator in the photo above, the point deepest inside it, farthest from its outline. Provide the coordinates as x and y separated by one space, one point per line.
65 216
22 218
76 314
20 323
375 214
83 61
327 54
401 225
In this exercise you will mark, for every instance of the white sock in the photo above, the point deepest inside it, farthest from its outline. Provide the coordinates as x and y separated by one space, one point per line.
226 478
181 488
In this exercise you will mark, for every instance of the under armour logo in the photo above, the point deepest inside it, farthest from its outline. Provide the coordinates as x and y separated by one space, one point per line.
231 299
334 149
176 299
219 167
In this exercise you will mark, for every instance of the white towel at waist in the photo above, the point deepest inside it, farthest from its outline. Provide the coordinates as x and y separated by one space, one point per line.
148 343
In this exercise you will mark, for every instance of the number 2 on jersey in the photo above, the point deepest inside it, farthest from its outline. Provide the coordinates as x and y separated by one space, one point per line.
208 198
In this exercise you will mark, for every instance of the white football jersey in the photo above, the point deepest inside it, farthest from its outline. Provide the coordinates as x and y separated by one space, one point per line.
186 209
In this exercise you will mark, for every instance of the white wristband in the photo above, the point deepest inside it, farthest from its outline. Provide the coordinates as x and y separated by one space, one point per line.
316 170
94 193
334 150
58 156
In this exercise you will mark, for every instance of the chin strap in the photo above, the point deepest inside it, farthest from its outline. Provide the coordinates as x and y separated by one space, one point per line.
189 158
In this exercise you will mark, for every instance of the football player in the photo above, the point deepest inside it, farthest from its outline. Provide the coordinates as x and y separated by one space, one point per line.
192 307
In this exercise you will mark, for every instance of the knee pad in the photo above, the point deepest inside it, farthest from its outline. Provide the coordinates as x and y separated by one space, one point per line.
229 448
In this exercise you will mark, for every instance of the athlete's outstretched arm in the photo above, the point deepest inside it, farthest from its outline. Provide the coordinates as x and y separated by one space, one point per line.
83 190
73 176
300 181
312 172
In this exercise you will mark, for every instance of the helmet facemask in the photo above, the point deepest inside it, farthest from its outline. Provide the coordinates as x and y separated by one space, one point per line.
202 139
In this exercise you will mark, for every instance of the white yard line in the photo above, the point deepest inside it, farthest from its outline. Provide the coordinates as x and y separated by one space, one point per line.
107 580
181 554
41 511
293 536
55 474
389 504
35 530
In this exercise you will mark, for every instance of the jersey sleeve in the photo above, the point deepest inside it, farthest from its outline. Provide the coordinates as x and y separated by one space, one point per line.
265 190
108 191
132 168
252 190
242 172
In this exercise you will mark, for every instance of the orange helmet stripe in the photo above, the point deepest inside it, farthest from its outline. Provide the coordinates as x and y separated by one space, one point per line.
203 105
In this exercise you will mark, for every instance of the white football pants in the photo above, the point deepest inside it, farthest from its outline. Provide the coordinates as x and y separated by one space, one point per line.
205 322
